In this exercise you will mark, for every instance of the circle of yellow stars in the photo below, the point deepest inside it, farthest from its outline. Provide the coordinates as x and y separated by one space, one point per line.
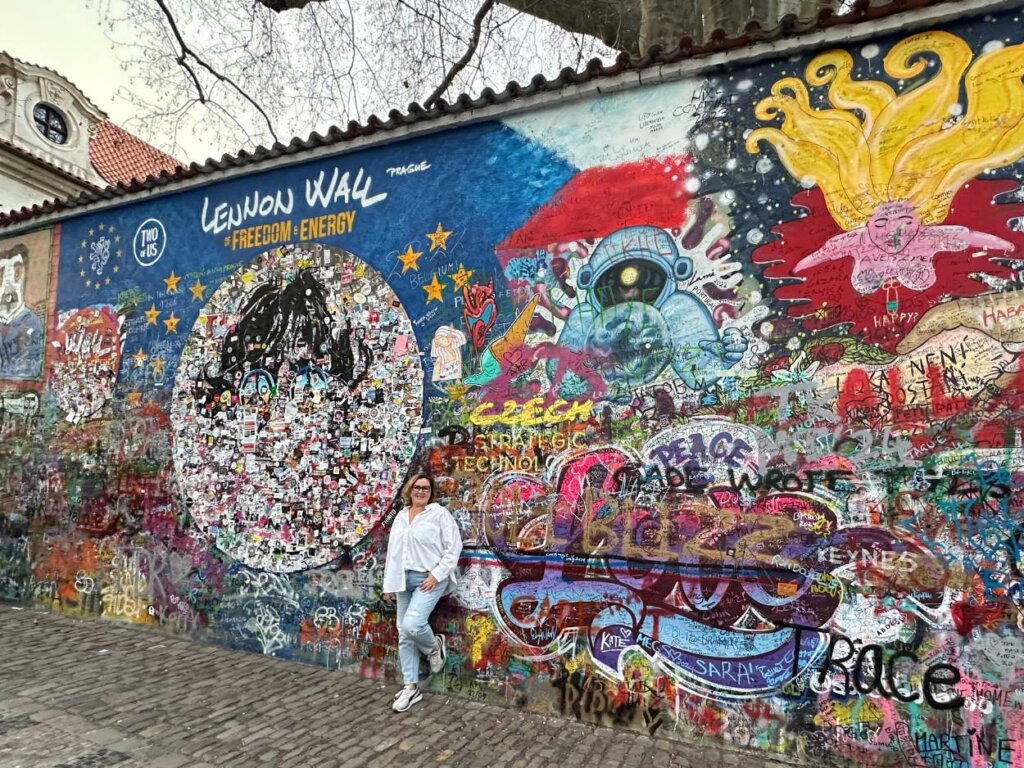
111 231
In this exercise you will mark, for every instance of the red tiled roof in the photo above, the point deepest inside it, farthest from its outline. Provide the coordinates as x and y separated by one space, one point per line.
121 158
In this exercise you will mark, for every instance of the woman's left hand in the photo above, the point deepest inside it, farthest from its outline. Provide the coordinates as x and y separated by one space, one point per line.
428 583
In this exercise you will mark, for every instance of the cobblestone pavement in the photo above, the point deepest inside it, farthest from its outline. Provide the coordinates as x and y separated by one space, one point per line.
88 694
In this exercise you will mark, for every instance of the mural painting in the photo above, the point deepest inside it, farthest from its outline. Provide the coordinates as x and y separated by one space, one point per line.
720 378
24 290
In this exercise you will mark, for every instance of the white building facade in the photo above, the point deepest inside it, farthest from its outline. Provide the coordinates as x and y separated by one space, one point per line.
55 143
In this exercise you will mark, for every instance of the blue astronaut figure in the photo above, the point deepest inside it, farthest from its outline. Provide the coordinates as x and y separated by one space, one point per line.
637 318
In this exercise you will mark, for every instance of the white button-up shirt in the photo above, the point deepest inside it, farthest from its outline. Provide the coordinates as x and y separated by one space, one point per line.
432 542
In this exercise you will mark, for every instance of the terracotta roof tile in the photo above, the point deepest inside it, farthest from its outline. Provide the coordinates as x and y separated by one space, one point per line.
717 42
121 158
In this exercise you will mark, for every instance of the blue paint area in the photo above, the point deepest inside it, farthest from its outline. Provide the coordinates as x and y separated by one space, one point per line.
483 183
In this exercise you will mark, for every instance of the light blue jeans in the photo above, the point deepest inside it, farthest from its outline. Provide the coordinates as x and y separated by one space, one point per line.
414 634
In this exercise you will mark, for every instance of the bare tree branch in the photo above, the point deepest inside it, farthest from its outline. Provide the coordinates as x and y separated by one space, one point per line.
635 25
615 22
467 57
187 52
332 62
287 5
182 57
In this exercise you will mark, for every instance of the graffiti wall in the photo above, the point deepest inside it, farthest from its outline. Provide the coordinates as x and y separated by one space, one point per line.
720 377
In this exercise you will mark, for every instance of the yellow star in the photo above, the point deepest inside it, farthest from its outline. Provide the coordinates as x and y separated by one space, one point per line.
434 290
82 273
116 269
139 358
197 289
152 314
134 398
102 227
92 232
117 238
83 243
106 281
120 253
461 278
81 258
408 260
172 282
88 283
438 238
158 366
171 323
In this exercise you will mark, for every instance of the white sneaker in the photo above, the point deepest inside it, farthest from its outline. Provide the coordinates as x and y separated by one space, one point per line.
406 698
437 656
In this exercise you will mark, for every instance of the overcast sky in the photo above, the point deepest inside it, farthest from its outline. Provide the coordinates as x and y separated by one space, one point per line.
67 37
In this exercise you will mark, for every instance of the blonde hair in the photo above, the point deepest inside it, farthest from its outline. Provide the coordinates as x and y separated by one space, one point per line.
406 494
874 146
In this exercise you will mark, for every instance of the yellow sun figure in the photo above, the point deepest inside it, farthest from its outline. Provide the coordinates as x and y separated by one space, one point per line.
889 164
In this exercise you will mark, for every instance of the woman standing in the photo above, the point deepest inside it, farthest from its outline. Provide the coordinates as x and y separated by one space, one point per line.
423 550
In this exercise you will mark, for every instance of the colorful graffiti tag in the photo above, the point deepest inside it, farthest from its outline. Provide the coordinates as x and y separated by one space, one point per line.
720 378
